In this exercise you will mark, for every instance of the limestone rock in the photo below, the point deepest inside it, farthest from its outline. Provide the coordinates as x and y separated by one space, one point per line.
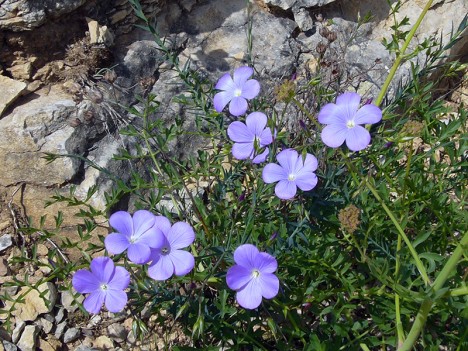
30 130
71 335
34 304
104 342
117 331
25 14
288 4
28 339
3 267
15 336
69 302
5 242
9 346
99 34
10 89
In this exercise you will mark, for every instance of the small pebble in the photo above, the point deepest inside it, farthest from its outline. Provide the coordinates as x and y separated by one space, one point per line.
71 335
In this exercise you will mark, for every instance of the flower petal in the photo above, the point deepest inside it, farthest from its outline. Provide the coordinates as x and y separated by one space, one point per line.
241 75
139 253
266 138
120 280
238 106
334 135
162 223
245 255
239 133
329 114
162 269
85 282
250 89
285 189
103 268
266 263
273 173
153 237
181 235
306 181
183 261
269 284
225 83
115 300
310 164
116 243
256 123
349 100
142 221
368 114
250 296
261 157
241 151
287 159
94 301
221 99
238 277
122 222
357 138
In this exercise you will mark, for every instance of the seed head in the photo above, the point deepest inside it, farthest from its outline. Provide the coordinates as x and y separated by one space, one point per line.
286 91
412 128
349 218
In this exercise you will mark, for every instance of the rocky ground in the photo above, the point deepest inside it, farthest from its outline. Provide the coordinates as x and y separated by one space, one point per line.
53 98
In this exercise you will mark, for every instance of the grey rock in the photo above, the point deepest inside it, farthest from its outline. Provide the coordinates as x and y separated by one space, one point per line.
288 4
117 332
46 325
69 302
71 335
15 336
60 315
303 19
25 14
94 321
9 346
5 242
60 329
28 340
85 348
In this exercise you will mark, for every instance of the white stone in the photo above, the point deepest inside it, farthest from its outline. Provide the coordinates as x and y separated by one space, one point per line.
10 90
28 339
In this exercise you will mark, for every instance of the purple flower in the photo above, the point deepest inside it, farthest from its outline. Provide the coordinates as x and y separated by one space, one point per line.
136 234
292 172
236 90
167 258
344 119
252 276
105 283
251 136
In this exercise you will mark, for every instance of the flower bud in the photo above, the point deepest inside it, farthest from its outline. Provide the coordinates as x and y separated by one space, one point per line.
110 76
331 36
321 48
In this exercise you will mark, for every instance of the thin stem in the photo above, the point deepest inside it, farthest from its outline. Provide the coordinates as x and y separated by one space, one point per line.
307 113
401 54
413 252
426 306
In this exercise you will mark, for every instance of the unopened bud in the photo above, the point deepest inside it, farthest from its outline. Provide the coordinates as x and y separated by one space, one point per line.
331 36
110 76
321 48
324 31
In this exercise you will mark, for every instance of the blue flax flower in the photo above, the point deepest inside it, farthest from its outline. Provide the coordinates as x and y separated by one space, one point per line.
292 172
137 235
250 137
252 277
236 91
105 283
344 121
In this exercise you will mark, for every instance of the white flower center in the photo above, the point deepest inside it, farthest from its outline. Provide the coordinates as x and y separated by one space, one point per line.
104 286
255 273
237 92
291 177
350 124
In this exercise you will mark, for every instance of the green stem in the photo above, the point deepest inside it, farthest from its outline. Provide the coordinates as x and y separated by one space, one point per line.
426 306
413 252
399 324
401 54
307 113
